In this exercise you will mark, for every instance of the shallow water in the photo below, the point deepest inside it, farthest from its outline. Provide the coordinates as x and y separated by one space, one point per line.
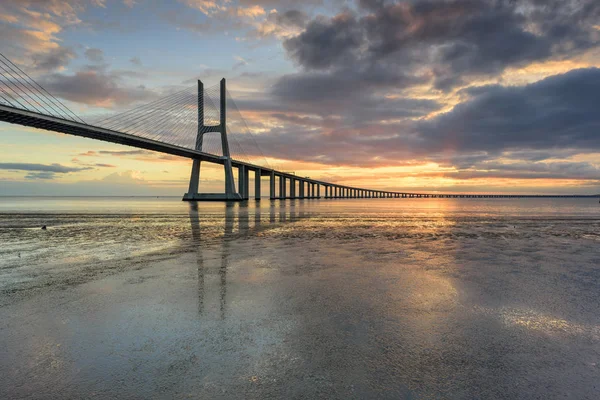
385 298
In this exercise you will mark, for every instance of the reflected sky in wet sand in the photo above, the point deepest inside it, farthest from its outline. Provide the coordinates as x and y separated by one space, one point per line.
306 299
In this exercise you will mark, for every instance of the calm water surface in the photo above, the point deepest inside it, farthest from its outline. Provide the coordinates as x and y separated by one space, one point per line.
378 298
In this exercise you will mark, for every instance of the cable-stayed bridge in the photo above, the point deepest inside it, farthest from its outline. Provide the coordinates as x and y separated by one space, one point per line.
203 124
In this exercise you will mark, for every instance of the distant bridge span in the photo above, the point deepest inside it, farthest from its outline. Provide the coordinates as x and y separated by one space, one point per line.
37 120
23 107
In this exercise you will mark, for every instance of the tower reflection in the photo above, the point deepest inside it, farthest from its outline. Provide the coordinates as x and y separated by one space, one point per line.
213 233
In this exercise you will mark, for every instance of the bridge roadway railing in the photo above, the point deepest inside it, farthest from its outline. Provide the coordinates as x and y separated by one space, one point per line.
280 182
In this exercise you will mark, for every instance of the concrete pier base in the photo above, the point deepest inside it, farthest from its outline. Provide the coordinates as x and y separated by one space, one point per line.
211 197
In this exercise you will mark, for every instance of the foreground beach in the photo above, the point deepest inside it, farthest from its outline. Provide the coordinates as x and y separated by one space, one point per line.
385 299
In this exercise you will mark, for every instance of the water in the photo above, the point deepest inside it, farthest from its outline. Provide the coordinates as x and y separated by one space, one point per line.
386 298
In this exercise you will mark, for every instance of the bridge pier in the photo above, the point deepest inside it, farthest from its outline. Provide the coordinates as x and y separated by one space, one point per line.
257 176
272 185
230 194
242 182
292 188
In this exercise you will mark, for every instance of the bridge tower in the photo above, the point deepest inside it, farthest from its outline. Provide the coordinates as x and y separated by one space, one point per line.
230 193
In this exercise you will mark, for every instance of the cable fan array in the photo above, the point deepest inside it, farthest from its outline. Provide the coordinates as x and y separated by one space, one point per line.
19 90
173 119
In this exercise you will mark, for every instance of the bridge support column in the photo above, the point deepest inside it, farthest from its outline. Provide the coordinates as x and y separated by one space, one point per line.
272 185
257 175
318 190
293 188
301 184
242 181
280 190
283 187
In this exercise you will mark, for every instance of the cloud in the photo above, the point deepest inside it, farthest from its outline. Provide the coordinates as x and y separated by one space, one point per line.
494 126
451 41
53 59
253 19
136 61
252 11
327 41
140 155
124 177
30 30
124 152
96 86
559 112
240 63
94 55
525 170
40 175
56 168
280 24
205 6
101 165
89 153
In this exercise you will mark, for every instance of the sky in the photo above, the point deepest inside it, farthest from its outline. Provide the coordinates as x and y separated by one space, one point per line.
490 96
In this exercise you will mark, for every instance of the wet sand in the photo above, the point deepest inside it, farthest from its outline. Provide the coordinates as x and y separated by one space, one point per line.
306 306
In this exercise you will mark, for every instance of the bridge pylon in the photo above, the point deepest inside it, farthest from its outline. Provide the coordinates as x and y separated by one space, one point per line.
230 192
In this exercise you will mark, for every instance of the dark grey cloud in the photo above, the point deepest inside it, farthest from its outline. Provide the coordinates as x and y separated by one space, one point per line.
499 131
529 170
56 168
94 55
53 59
314 86
327 41
290 18
559 112
452 40
96 86
349 110
40 175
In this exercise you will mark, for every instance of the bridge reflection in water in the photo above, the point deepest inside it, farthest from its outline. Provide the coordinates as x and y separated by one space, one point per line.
248 220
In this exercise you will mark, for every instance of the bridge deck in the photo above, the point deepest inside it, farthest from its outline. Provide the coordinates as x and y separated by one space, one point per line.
42 121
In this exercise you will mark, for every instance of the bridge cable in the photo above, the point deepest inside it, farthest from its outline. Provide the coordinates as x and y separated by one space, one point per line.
58 102
5 67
